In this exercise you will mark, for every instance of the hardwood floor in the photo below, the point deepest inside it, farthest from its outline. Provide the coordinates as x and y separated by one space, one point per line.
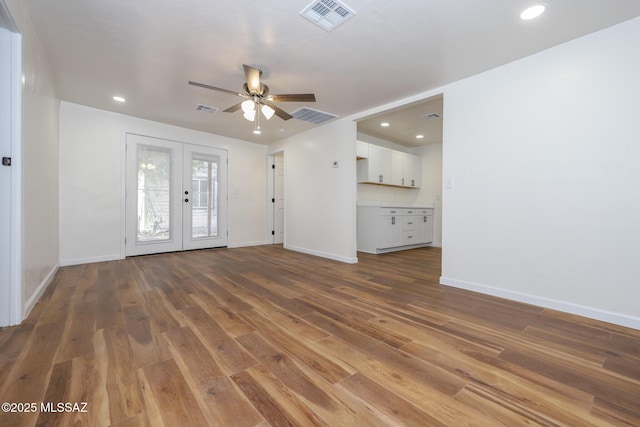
264 336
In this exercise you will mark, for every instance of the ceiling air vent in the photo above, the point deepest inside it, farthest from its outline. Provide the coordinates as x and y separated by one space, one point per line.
312 116
432 116
206 108
327 14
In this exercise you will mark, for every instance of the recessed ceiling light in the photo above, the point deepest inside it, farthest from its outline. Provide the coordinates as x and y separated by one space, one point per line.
532 12
419 136
119 99
384 124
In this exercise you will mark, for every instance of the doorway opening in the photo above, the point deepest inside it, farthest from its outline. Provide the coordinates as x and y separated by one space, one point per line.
415 129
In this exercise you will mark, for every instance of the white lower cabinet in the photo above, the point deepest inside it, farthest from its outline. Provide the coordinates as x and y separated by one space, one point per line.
390 231
424 225
385 229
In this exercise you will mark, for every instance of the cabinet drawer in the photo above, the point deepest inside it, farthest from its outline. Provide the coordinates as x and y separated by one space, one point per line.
391 211
409 223
409 237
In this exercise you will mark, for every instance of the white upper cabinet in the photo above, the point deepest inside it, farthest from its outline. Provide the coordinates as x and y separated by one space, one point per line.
397 172
376 169
379 165
362 150
411 171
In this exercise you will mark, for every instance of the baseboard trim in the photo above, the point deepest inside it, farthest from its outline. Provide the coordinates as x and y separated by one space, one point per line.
334 257
567 307
35 297
89 260
247 244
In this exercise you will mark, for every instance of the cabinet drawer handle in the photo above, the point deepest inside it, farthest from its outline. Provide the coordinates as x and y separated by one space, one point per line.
425 219
380 178
393 220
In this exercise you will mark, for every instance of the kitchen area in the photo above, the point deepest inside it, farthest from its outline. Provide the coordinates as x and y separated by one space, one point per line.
399 173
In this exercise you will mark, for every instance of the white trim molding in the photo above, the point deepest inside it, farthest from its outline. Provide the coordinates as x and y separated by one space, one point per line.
90 260
567 307
35 297
247 244
334 257
17 231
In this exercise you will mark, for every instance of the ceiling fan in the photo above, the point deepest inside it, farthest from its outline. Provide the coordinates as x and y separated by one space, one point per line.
257 98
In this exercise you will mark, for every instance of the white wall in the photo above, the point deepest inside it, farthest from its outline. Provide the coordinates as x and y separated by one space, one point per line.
38 163
544 154
430 193
92 181
320 200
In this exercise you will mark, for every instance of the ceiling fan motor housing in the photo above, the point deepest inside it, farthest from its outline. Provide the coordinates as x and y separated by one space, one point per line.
264 90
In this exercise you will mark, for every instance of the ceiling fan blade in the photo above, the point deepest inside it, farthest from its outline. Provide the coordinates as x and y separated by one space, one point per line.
279 111
253 79
216 88
293 97
233 108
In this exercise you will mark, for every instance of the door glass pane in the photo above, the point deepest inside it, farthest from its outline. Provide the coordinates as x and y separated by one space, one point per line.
204 193
154 193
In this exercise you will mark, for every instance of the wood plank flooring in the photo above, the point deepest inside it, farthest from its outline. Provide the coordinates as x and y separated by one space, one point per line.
263 336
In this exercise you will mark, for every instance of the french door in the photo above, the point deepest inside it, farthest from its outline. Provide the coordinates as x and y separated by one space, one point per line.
176 196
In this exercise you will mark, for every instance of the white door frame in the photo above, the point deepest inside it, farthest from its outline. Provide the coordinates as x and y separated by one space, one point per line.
13 244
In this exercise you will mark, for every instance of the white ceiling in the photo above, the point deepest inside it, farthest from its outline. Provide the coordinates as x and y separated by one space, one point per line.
147 50
406 122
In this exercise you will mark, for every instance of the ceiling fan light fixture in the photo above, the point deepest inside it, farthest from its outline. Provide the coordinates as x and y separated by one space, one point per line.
267 111
250 115
248 106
